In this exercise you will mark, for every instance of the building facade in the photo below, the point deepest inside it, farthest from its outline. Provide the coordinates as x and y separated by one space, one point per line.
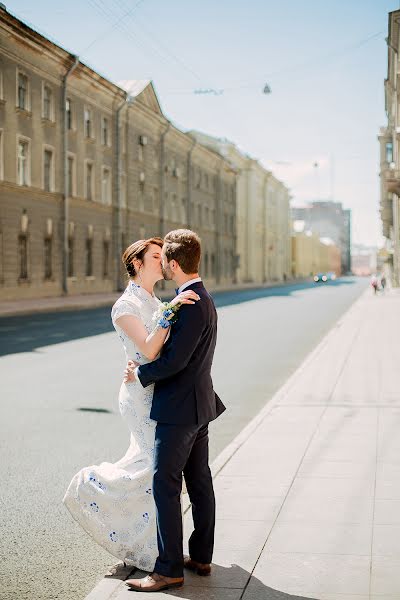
263 216
312 255
328 220
364 260
87 167
390 153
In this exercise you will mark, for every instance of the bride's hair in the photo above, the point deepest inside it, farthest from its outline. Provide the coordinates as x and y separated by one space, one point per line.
138 250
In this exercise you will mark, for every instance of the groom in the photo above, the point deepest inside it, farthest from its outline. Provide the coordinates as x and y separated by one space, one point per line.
184 402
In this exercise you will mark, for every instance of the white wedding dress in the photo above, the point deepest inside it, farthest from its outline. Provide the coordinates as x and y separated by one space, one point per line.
114 502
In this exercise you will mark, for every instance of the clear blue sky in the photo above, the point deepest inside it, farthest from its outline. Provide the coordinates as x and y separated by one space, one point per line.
324 61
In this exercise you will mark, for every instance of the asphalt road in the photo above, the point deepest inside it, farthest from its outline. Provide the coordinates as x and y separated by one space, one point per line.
59 379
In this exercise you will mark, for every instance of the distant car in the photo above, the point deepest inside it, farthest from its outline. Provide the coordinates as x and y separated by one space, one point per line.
320 278
331 276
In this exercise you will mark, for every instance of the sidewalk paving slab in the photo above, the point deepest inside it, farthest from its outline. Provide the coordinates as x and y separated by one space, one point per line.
308 494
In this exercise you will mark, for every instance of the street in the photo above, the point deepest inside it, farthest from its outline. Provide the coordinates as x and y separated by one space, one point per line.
60 374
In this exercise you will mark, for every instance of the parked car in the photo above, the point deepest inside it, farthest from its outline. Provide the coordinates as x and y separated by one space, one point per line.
331 276
320 278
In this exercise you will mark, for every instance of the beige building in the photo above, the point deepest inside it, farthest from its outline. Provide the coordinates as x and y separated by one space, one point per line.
278 257
87 167
263 216
311 255
390 152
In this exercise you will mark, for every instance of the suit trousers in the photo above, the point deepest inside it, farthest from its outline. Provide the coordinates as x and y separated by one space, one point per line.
182 449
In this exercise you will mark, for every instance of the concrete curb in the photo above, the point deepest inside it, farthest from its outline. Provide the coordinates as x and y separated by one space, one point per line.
105 589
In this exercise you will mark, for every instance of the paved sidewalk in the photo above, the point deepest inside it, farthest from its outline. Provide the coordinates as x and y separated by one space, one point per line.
308 495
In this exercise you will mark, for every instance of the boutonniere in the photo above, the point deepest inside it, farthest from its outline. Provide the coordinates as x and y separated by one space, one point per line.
166 314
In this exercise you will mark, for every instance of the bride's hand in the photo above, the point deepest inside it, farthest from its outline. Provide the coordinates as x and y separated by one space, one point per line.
129 376
185 297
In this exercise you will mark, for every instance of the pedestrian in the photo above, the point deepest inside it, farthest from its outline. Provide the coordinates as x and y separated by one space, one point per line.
383 283
374 283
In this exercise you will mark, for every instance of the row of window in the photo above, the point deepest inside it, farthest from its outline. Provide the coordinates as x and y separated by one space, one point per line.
202 180
23 102
208 266
48 162
24 259
202 215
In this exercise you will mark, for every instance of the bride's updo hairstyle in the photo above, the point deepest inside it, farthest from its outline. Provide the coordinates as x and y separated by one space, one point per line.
138 250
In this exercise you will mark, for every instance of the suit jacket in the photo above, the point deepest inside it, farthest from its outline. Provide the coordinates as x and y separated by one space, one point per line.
183 392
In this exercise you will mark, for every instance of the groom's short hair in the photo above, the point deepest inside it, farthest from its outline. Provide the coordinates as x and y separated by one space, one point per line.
184 246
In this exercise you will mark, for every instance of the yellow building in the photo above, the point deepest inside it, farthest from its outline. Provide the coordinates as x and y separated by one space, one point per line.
311 255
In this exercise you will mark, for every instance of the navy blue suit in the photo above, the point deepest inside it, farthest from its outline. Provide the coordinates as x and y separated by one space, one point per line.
184 402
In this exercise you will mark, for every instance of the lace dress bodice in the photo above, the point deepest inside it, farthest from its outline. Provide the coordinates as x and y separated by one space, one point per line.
137 302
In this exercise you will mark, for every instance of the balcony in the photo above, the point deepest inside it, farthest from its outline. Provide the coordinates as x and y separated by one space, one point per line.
392 181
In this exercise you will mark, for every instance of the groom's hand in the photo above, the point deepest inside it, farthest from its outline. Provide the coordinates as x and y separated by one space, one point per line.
129 375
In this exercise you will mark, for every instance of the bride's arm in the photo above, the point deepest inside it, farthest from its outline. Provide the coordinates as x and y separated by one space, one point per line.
151 344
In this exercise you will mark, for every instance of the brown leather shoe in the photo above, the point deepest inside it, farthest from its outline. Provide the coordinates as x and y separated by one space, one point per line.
154 583
199 568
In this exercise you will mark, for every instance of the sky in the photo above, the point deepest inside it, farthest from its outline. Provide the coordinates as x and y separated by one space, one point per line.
324 61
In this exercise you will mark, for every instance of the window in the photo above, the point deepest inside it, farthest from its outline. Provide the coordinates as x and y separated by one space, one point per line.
106 186
106 258
105 132
71 233
71 176
389 152
212 265
140 153
173 208
183 211
48 262
206 265
141 197
150 201
68 110
89 181
48 184
89 257
23 167
199 219
23 91
23 256
88 123
47 110
207 215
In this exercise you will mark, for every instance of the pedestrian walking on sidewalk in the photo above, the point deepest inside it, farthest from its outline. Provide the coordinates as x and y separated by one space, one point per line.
374 283
383 283
133 507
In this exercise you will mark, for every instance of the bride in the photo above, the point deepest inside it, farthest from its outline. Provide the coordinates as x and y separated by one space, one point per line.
114 502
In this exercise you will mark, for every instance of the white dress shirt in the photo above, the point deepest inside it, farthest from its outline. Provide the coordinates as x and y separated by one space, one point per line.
185 285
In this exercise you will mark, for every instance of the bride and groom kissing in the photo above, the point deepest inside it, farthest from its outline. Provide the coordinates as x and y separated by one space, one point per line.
132 508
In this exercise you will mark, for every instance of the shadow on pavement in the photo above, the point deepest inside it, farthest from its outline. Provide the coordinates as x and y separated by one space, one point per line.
28 333
222 584
227 298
